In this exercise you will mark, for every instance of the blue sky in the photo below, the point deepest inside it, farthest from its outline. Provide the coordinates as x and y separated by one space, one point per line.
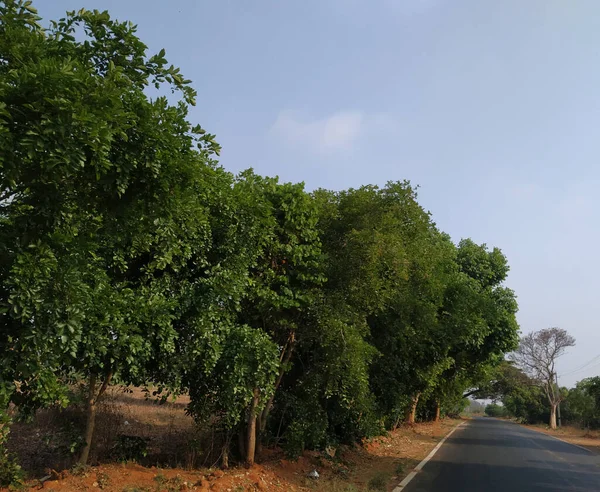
493 108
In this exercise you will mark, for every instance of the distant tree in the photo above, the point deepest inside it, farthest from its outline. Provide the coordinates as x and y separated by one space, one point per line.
495 410
579 406
537 354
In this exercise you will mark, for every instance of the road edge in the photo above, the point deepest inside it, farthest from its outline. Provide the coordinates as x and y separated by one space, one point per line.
557 438
400 487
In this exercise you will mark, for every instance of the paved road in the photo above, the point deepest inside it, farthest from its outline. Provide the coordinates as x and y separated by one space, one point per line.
486 455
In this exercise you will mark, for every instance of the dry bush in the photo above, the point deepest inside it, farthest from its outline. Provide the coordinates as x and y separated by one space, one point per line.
52 439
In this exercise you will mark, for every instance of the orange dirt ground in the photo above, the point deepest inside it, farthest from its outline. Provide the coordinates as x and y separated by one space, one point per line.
380 463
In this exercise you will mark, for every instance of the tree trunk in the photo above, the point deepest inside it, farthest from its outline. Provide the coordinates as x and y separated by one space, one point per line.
251 435
437 412
553 416
242 444
412 410
225 455
91 405
286 355
90 420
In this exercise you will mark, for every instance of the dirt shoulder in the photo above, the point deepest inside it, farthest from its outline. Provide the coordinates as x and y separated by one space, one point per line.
380 464
580 437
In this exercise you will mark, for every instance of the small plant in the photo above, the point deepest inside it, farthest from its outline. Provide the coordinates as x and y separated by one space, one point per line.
130 448
379 482
102 479
400 468
131 488
341 470
160 479
170 484
80 470
11 474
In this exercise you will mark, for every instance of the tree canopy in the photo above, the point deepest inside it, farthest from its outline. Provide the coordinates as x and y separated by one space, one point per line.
130 256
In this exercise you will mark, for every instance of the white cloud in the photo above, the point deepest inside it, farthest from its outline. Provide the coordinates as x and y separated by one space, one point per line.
339 132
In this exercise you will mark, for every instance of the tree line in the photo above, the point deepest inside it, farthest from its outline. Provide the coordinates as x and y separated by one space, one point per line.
129 256
526 400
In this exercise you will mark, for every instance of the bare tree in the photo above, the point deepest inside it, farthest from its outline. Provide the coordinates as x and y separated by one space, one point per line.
537 354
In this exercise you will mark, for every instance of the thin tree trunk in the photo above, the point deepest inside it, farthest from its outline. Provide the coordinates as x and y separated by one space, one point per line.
553 416
91 406
437 412
225 452
90 420
242 444
412 410
225 457
285 358
251 435
259 444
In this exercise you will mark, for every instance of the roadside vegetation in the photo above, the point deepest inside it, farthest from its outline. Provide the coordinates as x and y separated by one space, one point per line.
525 388
131 259
523 399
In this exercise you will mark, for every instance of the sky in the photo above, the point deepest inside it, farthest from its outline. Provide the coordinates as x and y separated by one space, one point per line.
492 108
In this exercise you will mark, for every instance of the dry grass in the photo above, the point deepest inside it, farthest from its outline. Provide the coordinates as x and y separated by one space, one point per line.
589 439
179 453
50 441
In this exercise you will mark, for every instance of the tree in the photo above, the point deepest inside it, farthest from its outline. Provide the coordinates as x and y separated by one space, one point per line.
102 206
479 318
579 406
127 255
389 262
494 410
284 283
537 354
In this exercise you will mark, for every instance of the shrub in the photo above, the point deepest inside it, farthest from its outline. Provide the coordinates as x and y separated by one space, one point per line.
11 474
379 482
493 410
130 448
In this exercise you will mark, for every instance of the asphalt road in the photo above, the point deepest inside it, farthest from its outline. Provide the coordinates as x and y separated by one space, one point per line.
487 455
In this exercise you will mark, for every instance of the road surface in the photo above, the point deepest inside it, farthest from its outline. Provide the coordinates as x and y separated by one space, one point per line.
487 455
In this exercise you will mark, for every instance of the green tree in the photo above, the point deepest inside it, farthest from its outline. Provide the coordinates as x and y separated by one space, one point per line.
581 404
479 319
101 208
284 283
495 410
388 263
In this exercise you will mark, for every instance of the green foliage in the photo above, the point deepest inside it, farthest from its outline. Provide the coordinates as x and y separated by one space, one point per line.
581 404
127 254
248 359
494 410
102 479
11 474
522 398
130 448
173 484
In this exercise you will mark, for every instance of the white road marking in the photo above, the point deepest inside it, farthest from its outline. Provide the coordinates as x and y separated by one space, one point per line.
412 474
